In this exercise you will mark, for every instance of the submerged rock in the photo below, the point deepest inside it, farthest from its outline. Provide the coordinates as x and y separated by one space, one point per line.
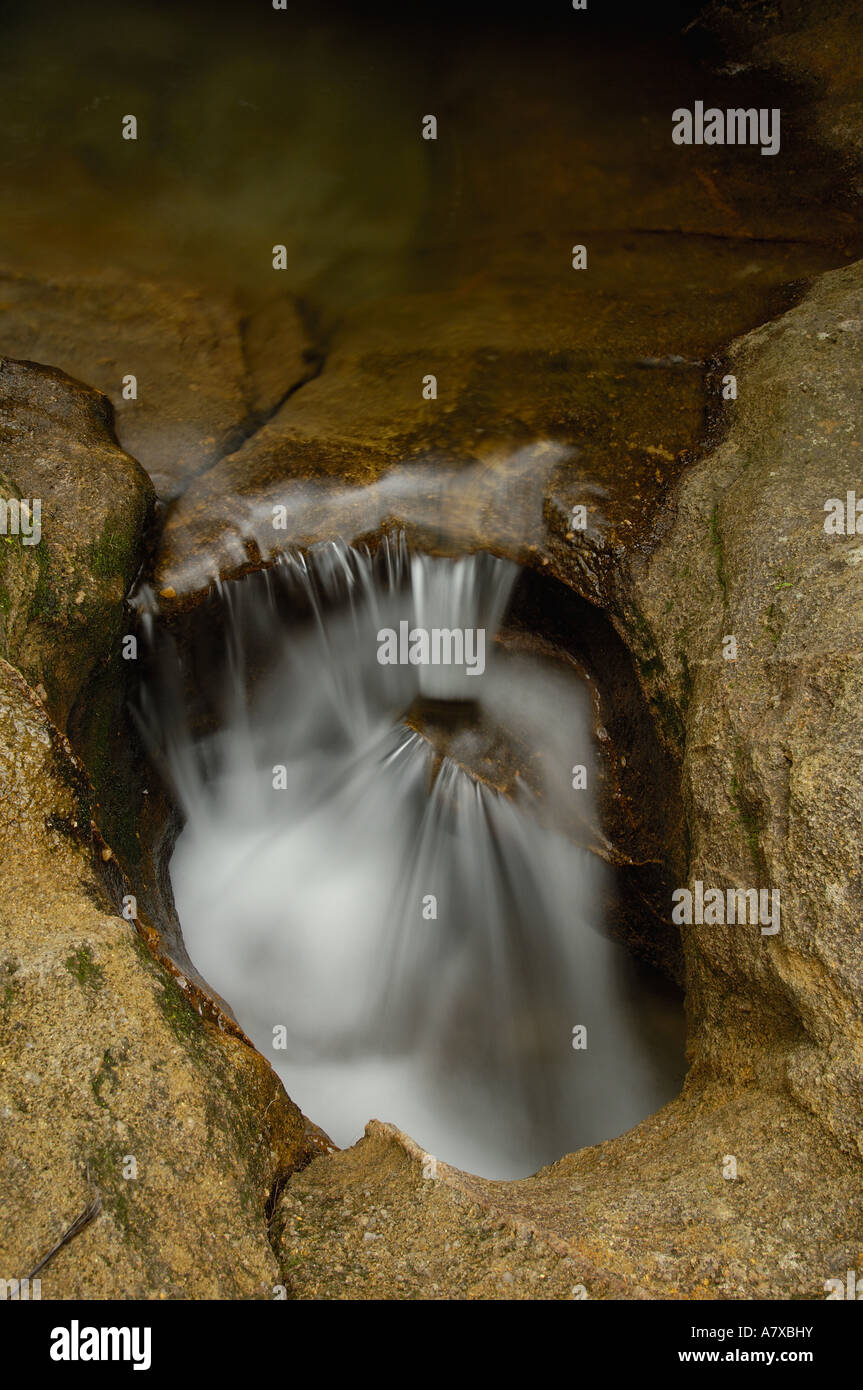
189 373
547 396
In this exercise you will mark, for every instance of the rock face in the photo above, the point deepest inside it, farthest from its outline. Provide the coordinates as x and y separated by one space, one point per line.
207 369
61 599
816 44
119 1080
770 777
649 1215
112 1084
684 250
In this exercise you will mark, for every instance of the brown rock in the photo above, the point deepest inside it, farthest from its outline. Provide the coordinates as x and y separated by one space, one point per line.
208 368
111 1081
548 395
61 600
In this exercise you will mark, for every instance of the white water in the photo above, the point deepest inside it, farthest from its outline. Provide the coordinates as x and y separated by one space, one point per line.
304 905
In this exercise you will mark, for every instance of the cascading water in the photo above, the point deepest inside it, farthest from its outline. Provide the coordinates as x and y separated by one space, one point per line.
399 935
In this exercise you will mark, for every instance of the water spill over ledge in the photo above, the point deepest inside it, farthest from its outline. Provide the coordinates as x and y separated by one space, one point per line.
387 870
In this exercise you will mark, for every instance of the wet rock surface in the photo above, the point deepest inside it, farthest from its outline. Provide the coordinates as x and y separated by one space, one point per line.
546 399
61 599
816 44
405 258
206 370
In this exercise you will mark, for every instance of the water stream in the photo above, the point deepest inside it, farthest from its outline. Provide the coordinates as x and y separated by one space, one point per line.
371 871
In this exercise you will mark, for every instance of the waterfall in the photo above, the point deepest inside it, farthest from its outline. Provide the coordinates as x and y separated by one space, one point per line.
402 928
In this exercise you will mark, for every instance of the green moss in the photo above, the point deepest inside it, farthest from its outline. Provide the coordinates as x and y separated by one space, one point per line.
686 678
668 716
718 551
174 1004
110 554
747 820
76 780
640 624
101 734
770 624
45 603
105 1165
651 667
107 1074
85 969
227 1129
653 672
180 1014
772 621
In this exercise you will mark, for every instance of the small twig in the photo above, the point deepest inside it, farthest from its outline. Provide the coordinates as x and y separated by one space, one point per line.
94 1206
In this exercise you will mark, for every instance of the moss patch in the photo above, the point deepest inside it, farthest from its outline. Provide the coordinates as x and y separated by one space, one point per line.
110 554
85 970
105 1165
718 551
45 603
748 821
107 1075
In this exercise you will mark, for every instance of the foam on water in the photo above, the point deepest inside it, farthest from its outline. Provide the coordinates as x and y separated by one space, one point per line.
308 906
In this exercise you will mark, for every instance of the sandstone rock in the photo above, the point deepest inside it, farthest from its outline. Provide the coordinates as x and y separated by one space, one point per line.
107 1059
61 600
550 393
769 759
207 368
649 1215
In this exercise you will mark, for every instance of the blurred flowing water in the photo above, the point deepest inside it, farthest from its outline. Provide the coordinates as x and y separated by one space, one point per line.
426 944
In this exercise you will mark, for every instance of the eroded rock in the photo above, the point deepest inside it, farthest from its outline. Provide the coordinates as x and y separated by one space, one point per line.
547 396
112 1083
649 1215
61 599
207 368
769 766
